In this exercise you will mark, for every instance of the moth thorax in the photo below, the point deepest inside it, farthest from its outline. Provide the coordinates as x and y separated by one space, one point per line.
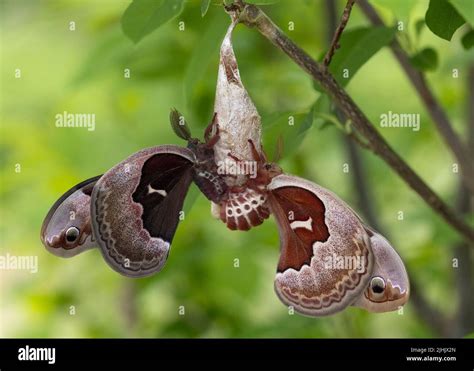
244 210
235 171
211 184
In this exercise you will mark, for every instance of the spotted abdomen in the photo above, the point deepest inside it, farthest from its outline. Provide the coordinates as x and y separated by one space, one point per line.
244 210
210 184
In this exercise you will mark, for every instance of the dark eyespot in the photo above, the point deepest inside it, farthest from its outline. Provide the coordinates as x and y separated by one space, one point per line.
377 285
72 234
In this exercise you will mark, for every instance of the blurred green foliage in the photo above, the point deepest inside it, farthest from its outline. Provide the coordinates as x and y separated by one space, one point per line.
356 47
425 60
83 71
443 19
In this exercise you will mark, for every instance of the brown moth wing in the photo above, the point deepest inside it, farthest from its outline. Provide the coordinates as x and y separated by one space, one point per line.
390 268
325 254
135 208
71 210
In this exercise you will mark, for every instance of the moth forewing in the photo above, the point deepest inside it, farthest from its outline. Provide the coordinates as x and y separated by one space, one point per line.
325 258
135 208
389 286
66 230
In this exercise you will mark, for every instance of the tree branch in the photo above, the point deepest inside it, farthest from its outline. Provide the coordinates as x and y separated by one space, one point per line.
359 180
438 115
337 34
252 16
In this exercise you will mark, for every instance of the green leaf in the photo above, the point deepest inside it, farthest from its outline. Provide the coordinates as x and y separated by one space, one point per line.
325 115
179 125
465 9
205 7
289 126
401 9
425 60
302 127
321 111
144 16
293 127
295 134
419 26
467 40
357 47
443 19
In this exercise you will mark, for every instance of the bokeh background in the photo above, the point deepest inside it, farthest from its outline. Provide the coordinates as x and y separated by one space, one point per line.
81 71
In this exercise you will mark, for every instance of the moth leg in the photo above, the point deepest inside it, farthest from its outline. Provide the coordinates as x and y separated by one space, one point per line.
257 156
233 157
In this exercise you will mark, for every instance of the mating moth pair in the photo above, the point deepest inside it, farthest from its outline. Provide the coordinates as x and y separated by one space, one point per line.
329 259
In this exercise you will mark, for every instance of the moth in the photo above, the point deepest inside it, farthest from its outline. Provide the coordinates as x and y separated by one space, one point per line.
389 287
329 259
67 230
132 211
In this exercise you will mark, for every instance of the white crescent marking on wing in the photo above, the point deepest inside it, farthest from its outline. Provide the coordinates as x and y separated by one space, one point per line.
302 224
161 192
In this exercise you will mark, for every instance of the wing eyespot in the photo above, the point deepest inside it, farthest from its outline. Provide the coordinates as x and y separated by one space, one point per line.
72 235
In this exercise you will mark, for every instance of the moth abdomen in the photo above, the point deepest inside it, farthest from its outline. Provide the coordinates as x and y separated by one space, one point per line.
242 210
210 183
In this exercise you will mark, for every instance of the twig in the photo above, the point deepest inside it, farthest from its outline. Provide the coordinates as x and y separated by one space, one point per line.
436 320
252 16
353 135
337 34
438 115
358 178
